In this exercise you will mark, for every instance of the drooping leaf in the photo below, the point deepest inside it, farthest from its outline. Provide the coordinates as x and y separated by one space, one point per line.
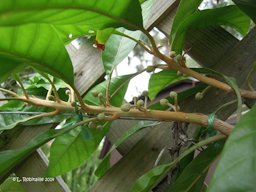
72 149
104 166
248 7
117 90
94 13
228 16
184 10
103 35
196 169
36 45
160 80
118 47
237 165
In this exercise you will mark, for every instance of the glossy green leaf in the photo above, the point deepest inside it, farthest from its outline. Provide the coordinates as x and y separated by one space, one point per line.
94 13
118 87
196 169
160 80
248 7
103 167
118 47
185 9
237 165
228 16
103 35
37 46
69 151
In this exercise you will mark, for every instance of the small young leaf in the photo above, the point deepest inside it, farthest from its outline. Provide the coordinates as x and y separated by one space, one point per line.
237 165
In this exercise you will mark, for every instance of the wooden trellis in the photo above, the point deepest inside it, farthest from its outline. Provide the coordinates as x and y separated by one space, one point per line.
213 48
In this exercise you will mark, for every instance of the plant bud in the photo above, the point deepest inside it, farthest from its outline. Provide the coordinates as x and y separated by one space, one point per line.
101 116
164 102
179 57
126 107
51 98
173 94
150 69
67 92
173 54
140 103
145 93
199 96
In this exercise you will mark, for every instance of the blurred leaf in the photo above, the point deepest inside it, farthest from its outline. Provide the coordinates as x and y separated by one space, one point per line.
9 185
237 165
196 169
118 47
34 45
118 87
228 16
159 81
104 165
79 144
185 9
248 7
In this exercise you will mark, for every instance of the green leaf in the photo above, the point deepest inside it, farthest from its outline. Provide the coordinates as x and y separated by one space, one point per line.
10 185
22 117
69 151
37 46
196 169
237 165
248 7
10 158
94 13
118 47
104 166
228 16
160 80
103 35
117 90
185 9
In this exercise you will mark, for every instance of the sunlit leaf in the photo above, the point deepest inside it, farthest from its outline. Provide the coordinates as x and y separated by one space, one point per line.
237 165
94 13
34 45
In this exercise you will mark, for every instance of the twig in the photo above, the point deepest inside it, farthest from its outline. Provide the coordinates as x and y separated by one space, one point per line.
21 85
9 92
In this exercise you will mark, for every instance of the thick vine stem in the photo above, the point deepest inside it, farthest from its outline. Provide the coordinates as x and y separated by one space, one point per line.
115 113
